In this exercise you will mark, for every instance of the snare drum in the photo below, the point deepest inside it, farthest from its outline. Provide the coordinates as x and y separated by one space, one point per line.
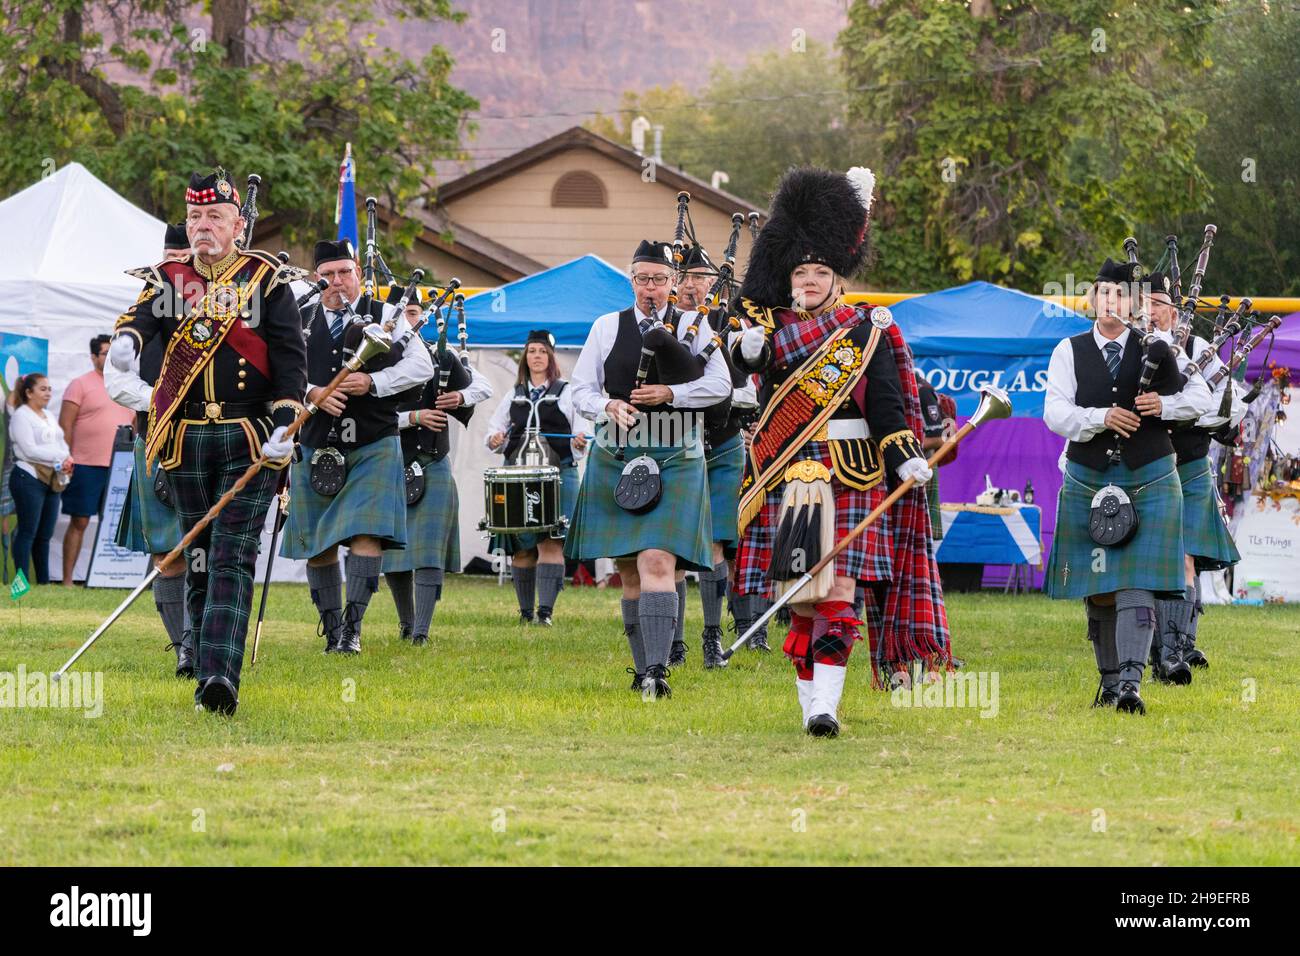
519 498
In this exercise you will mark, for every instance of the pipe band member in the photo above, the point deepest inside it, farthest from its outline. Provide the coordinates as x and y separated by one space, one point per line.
648 455
1118 565
416 575
1208 544
349 488
149 523
540 395
841 419
233 373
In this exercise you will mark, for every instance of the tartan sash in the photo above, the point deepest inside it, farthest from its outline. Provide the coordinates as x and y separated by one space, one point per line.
193 346
803 403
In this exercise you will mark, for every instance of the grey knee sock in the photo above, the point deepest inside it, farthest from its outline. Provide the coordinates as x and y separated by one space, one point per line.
550 582
169 597
679 626
632 628
428 588
1135 625
658 613
326 585
399 582
1101 632
1173 622
363 581
525 587
713 586
1193 596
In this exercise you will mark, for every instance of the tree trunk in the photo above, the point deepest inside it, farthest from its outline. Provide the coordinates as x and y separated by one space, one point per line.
981 9
229 23
103 93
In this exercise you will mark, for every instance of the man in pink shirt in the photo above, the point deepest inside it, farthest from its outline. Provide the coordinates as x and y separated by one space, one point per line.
89 419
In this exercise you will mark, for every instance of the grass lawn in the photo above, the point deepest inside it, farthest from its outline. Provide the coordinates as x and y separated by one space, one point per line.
501 745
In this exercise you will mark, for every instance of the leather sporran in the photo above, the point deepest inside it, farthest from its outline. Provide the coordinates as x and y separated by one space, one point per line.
162 488
1113 519
415 483
640 486
328 470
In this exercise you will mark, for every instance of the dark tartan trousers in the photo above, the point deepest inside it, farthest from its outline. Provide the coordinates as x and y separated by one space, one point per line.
220 562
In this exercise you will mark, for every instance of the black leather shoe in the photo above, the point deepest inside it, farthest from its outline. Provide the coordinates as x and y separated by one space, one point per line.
1105 698
349 642
823 725
711 648
419 640
1130 702
637 678
544 617
219 695
1196 659
1176 673
655 683
525 617
677 656
404 632
185 656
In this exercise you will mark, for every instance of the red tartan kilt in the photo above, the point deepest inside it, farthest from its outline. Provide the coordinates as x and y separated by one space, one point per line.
868 558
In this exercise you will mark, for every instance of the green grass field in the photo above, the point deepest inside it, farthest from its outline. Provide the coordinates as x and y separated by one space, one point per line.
502 745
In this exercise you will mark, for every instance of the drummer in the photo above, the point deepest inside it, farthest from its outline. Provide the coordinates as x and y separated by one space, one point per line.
543 398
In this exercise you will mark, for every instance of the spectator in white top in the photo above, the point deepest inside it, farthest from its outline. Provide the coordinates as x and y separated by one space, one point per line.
42 468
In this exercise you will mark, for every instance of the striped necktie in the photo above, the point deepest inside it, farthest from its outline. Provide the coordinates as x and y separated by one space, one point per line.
336 326
536 392
1112 351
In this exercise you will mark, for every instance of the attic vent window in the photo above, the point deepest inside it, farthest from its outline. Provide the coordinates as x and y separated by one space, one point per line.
579 189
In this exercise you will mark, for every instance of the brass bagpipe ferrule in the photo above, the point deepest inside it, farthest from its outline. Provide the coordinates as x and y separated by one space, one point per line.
1187 307
1154 348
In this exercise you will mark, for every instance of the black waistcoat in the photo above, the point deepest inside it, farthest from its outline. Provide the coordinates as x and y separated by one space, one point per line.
549 416
624 359
449 376
1095 389
373 418
1190 443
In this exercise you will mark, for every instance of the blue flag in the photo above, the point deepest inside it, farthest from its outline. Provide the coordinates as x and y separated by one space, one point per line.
345 212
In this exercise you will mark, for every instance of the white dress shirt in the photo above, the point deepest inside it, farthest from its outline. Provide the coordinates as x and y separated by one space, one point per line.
413 368
588 382
1212 420
1081 424
36 440
478 390
500 421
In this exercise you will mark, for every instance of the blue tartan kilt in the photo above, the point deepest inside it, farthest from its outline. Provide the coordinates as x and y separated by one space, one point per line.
432 524
511 543
725 465
1151 561
679 524
372 502
1205 536
152 528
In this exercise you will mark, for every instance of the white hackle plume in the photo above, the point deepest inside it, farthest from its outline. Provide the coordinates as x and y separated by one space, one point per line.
864 181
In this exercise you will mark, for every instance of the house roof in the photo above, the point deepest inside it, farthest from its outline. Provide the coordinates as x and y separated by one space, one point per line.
577 137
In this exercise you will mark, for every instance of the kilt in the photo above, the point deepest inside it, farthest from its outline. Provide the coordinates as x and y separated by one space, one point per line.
152 528
510 543
1205 536
1151 561
372 502
868 558
432 523
725 465
679 523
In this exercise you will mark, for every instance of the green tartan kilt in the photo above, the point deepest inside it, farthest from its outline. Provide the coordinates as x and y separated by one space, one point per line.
679 524
151 527
372 502
511 543
432 523
1151 561
1205 536
725 465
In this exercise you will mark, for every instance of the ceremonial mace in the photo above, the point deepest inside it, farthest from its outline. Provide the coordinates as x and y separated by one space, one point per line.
374 342
993 404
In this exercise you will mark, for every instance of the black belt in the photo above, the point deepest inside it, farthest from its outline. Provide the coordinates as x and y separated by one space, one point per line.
201 411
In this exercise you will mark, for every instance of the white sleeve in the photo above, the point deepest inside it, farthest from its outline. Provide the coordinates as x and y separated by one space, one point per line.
404 419
413 368
577 424
23 425
713 386
588 381
1060 413
499 422
478 390
127 388
1191 403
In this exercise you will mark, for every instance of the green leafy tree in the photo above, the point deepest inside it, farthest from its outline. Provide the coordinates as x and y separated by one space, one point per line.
143 91
1020 141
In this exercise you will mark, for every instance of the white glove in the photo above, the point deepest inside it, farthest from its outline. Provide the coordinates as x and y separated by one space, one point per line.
277 447
752 341
916 469
122 354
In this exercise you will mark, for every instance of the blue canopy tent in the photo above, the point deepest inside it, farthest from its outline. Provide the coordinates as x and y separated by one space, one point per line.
980 334
564 299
